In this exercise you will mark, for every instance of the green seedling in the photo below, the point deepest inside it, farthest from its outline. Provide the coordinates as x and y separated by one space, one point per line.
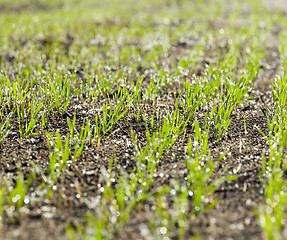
2 205
62 155
26 124
5 128
228 102
119 198
148 157
195 195
192 98
200 167
58 160
177 123
157 84
16 198
272 211
111 114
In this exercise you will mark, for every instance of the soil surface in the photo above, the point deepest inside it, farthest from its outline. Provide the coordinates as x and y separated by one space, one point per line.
232 218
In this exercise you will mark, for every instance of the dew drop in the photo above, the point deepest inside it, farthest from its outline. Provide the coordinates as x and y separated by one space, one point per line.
163 230
197 208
